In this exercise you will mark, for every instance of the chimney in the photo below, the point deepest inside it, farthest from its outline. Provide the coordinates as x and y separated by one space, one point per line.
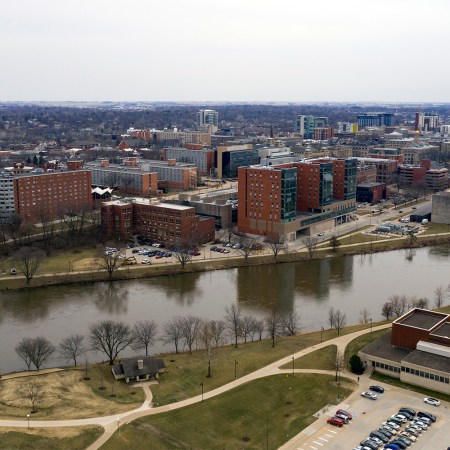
140 364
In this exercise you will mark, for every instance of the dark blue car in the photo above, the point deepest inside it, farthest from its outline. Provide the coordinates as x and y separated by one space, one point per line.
377 389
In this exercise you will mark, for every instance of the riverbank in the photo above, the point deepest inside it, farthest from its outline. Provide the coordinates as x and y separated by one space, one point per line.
174 268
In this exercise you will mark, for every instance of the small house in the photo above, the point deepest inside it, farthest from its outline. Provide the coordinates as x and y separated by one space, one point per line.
139 368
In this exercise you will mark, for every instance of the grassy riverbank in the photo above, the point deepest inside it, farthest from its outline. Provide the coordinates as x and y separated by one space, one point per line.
350 246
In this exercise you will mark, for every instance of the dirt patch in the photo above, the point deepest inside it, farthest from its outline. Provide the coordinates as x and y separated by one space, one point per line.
63 432
85 264
64 396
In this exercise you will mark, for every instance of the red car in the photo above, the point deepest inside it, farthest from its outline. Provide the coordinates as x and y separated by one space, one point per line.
335 421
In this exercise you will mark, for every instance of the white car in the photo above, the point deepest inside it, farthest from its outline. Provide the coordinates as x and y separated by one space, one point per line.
432 401
370 395
408 435
393 425
321 234
146 261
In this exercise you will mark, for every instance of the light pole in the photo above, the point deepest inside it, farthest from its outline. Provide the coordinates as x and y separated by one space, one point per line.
292 366
118 425
371 325
235 368
28 419
201 384
321 331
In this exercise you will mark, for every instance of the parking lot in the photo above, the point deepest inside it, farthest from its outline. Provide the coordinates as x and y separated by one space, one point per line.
368 416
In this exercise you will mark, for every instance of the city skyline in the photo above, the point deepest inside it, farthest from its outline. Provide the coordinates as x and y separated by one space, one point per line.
201 51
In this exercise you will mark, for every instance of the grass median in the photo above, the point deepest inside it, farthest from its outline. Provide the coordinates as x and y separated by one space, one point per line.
264 413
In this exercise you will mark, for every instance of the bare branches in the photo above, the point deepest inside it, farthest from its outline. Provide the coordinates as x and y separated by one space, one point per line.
337 319
190 326
35 351
173 332
72 347
439 296
144 335
311 243
277 245
290 322
110 337
109 263
233 321
273 325
27 261
34 392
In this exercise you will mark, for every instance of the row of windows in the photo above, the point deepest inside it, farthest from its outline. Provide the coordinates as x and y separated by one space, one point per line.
387 367
422 374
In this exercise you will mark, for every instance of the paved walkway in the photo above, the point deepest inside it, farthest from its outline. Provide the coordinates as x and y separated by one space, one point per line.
111 423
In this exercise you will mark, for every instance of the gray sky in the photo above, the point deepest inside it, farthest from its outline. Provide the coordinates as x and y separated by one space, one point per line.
229 50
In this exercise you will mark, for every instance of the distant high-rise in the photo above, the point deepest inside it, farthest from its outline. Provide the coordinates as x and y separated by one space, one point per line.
208 117
376 120
426 121
305 125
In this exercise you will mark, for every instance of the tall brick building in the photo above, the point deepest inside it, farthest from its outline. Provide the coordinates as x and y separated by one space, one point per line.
39 194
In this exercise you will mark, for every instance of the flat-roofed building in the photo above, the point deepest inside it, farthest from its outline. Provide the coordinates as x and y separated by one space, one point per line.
230 158
441 207
160 222
202 158
416 350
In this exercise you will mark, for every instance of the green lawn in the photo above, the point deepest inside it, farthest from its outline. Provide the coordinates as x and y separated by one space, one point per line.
360 238
49 439
410 387
185 372
321 359
274 408
435 228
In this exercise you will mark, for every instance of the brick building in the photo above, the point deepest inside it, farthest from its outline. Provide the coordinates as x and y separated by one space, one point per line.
432 179
160 222
202 158
39 194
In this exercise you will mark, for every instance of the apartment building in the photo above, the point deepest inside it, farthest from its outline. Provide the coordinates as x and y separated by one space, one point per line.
160 222
172 175
375 120
426 122
39 194
433 180
202 158
323 133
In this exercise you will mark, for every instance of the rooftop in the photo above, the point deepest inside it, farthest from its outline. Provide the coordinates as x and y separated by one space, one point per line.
443 330
419 318
428 360
382 348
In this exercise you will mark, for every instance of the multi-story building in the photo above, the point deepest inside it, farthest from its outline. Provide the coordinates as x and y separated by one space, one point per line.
160 222
415 153
305 125
323 133
176 137
375 120
130 180
230 158
266 196
426 122
208 117
441 207
36 195
173 175
202 158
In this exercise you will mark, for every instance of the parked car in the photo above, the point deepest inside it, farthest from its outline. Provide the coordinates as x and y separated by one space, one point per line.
428 415
414 431
400 417
421 424
392 424
321 234
369 395
146 261
343 417
404 439
382 437
345 413
400 444
408 415
392 446
408 410
389 429
336 421
410 436
432 401
377 389
369 443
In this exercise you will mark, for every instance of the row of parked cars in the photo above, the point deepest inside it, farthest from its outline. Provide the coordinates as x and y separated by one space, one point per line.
341 418
391 434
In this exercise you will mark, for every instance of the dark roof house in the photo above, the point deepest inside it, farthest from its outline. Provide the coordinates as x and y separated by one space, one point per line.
139 368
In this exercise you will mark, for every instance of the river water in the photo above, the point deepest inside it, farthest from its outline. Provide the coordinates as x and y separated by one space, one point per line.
349 283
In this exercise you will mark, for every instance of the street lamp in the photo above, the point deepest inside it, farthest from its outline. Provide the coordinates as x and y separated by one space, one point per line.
235 368
321 331
28 419
292 366
371 325
201 384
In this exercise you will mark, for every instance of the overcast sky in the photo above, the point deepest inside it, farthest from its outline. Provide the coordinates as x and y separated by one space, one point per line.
229 50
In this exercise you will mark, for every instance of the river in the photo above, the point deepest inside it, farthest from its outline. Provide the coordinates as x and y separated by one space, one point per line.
349 283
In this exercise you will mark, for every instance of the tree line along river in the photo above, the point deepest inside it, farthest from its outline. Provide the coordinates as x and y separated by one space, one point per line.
348 283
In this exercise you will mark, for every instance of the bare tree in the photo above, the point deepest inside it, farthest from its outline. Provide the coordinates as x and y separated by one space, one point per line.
387 310
337 363
190 328
217 328
72 347
331 318
247 246
399 304
110 337
109 263
173 332
340 320
246 326
144 334
34 392
277 245
233 321
273 325
290 321
183 252
311 243
421 302
364 316
439 296
206 338
334 243
27 261
259 327
35 351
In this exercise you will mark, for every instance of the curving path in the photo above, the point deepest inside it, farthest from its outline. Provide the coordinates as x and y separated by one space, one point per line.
111 423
